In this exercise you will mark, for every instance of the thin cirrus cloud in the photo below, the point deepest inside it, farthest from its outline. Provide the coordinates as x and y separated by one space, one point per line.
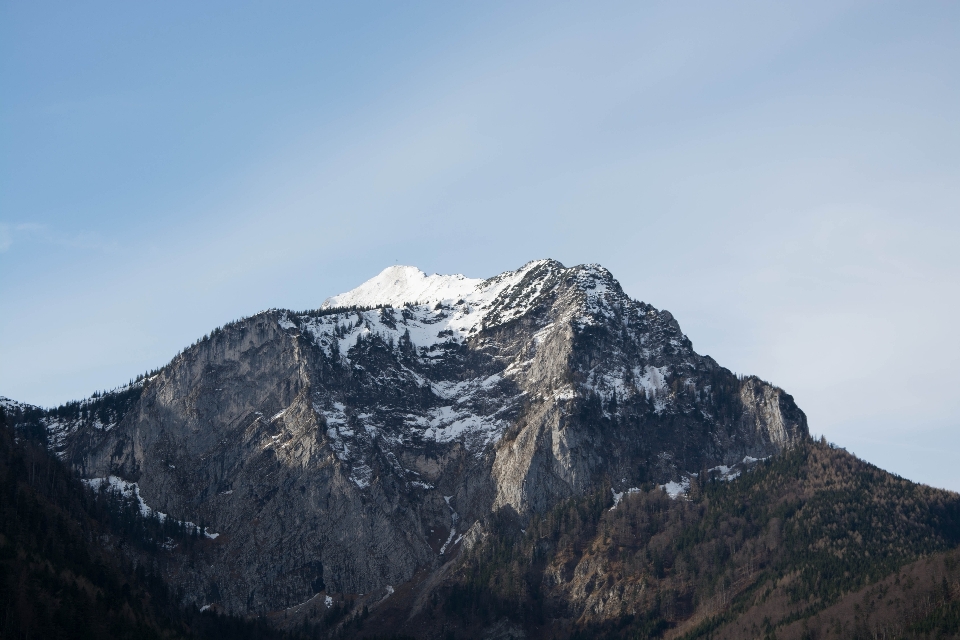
9 231
44 234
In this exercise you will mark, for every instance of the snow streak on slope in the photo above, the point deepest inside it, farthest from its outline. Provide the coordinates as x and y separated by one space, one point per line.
131 490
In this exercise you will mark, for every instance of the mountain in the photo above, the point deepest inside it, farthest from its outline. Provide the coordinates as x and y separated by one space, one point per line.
422 445
346 449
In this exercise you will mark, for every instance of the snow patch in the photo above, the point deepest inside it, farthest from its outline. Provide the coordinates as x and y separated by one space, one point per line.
565 393
618 496
725 473
677 489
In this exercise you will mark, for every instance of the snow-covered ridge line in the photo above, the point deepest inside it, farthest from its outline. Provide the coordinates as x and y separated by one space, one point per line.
400 284
9 404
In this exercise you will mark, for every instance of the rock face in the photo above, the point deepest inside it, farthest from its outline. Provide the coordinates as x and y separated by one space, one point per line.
345 449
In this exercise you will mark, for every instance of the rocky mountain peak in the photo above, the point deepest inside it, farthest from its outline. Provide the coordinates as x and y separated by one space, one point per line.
360 443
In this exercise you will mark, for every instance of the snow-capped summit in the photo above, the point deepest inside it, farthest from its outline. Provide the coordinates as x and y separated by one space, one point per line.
400 284
437 308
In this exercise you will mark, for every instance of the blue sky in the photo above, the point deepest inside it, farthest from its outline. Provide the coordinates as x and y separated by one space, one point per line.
783 177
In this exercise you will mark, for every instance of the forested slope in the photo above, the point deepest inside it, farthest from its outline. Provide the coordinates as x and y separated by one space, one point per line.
769 552
76 564
813 543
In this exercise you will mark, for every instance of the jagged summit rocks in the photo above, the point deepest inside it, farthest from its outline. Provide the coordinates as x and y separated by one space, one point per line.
351 448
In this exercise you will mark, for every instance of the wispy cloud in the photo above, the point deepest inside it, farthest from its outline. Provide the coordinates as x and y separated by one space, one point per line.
11 234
